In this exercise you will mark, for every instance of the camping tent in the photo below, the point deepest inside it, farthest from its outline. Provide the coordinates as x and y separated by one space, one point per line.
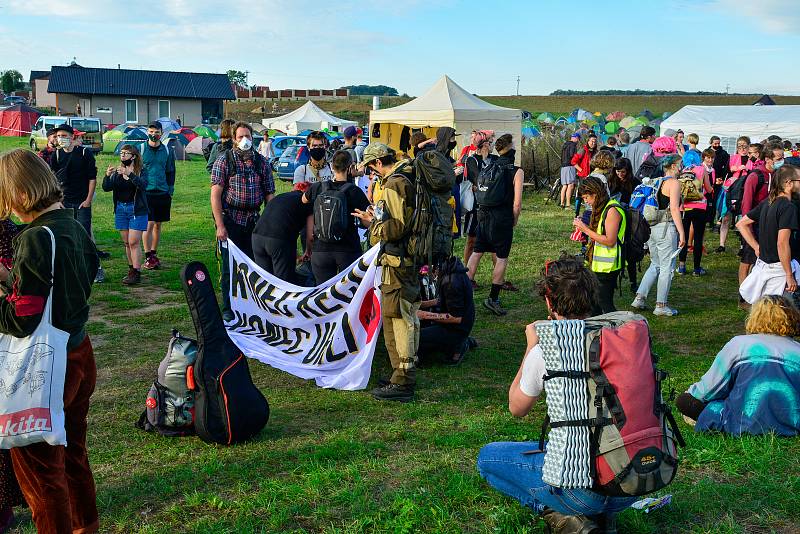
444 104
168 125
18 120
765 100
197 145
205 131
730 122
307 117
136 137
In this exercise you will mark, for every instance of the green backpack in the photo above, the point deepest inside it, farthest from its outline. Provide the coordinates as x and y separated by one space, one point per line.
431 239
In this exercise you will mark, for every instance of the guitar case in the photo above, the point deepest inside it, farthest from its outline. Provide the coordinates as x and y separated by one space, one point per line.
229 408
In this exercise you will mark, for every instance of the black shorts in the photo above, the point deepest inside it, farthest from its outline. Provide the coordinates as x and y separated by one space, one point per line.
495 232
158 207
746 253
471 223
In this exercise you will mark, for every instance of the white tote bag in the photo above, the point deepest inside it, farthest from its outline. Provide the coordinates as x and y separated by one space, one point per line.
467 196
32 374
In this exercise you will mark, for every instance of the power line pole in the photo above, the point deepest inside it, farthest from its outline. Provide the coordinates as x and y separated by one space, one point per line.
517 85
727 89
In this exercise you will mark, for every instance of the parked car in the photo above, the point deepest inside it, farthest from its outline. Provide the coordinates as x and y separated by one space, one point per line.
292 157
282 142
14 100
91 127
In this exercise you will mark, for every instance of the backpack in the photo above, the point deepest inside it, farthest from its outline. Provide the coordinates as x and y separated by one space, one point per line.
735 194
229 408
492 185
169 407
207 149
637 233
644 199
691 188
650 168
431 236
331 216
230 166
608 396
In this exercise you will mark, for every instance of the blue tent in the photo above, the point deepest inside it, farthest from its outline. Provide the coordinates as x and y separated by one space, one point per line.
530 131
168 125
136 137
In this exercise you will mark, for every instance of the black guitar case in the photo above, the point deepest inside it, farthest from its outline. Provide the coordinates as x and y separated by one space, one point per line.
229 408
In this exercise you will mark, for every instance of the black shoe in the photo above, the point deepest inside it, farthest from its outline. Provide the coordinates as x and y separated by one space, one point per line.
103 255
458 358
606 523
383 382
494 307
394 392
719 250
569 524
473 343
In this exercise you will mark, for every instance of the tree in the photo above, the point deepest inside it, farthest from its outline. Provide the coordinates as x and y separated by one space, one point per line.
10 81
371 90
238 77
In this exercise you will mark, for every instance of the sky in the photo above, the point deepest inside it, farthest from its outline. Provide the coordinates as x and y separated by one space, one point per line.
702 45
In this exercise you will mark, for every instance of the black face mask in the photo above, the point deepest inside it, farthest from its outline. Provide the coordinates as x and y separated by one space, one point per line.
127 162
317 153
452 145
753 159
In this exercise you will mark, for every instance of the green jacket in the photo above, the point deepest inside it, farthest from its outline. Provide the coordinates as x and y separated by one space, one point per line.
28 286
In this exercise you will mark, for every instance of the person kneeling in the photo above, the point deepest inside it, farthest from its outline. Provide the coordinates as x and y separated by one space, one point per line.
571 291
753 385
449 333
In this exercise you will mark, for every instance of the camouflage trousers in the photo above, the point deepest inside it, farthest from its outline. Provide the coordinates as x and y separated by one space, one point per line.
401 335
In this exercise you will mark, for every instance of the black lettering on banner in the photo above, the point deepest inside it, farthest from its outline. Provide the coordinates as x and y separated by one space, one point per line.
304 307
285 311
349 339
239 283
341 296
325 333
320 299
300 336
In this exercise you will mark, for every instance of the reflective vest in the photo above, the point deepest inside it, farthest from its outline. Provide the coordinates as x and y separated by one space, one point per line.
609 259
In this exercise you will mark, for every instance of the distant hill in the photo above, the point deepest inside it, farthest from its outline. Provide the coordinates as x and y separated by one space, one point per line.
641 92
372 90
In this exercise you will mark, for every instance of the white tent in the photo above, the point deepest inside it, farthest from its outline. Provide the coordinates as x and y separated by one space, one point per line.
730 122
445 104
307 117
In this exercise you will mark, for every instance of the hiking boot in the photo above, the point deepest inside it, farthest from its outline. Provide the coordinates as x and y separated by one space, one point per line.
150 263
394 392
699 272
100 277
156 261
719 250
494 307
569 524
133 278
665 311
639 303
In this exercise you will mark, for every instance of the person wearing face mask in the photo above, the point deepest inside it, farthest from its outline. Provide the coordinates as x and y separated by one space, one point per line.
130 207
158 168
739 165
317 169
722 170
50 148
241 182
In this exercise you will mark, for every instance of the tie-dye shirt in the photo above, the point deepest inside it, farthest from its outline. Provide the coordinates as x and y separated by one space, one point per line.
753 387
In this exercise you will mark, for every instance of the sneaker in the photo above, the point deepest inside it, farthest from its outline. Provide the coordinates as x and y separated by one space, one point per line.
473 343
681 270
639 303
156 261
719 250
150 263
394 392
508 286
494 307
665 311
699 272
456 359
744 306
133 278
103 255
569 524
100 277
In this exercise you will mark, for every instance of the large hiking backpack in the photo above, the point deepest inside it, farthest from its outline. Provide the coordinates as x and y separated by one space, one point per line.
492 185
650 168
169 407
612 431
431 238
229 408
735 194
691 187
637 233
331 216
644 199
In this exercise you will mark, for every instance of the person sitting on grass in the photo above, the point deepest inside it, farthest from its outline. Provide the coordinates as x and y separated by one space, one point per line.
570 291
753 386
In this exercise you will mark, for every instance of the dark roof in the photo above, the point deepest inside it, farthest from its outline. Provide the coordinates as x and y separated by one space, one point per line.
36 74
91 81
765 100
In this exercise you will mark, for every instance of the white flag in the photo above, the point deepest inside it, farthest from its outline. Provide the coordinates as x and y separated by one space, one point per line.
327 332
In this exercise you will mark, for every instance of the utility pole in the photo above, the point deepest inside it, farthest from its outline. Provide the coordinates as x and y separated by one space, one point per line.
247 78
727 89
517 85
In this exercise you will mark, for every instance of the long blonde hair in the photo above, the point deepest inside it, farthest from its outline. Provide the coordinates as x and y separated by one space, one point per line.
26 183
773 314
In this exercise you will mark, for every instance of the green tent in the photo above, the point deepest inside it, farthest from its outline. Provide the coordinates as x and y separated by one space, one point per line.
111 139
612 127
627 122
205 131
546 117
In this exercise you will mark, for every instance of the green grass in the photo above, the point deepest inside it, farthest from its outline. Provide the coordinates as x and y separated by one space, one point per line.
337 462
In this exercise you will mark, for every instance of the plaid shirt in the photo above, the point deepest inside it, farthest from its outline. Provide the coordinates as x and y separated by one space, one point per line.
244 187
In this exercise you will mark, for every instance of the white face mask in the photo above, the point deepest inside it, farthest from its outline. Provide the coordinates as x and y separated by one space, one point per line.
245 143
63 141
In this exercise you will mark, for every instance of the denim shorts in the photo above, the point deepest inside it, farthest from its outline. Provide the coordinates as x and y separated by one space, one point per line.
126 219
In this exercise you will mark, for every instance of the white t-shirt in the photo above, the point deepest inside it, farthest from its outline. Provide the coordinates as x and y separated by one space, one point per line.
303 173
531 383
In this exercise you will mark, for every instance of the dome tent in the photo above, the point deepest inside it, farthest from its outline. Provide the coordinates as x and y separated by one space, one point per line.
18 121
444 104
307 117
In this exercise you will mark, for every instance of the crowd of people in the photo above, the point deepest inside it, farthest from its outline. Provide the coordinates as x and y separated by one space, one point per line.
345 200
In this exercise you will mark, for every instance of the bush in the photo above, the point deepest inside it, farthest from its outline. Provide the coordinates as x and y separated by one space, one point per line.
541 157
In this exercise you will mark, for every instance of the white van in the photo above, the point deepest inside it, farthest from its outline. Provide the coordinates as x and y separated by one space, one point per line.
91 127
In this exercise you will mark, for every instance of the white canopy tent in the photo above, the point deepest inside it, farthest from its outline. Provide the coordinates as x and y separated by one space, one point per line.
445 104
730 122
307 117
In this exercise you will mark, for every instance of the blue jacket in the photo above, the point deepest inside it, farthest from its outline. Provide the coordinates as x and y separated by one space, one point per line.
158 168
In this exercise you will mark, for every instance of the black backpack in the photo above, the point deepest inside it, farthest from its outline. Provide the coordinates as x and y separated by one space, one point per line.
229 408
735 195
207 149
492 185
650 168
637 233
331 214
431 239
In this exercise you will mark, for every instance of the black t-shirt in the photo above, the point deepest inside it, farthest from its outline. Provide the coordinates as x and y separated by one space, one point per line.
356 199
795 239
284 217
507 208
74 170
125 190
475 163
456 299
780 215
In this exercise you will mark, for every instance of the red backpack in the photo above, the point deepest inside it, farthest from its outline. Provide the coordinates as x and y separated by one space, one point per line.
632 435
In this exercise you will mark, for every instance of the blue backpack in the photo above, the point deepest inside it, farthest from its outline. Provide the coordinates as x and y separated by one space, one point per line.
644 199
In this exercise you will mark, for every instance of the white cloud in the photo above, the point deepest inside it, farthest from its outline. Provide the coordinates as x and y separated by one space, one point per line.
772 16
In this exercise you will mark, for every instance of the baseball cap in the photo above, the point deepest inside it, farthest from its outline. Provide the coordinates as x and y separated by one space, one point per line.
64 128
375 151
575 134
350 131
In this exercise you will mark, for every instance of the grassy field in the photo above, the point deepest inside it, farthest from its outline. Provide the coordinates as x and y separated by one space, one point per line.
341 462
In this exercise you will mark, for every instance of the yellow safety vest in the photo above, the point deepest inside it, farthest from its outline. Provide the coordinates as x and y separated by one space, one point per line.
609 259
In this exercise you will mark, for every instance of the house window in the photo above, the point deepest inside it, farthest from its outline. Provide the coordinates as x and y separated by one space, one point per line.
163 108
131 110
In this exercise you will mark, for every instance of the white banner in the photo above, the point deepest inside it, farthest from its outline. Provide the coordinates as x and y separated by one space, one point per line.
327 332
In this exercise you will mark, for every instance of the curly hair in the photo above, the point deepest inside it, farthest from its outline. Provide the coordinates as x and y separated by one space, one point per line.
570 289
593 186
602 161
773 314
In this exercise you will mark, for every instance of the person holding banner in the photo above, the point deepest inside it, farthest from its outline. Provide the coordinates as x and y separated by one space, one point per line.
390 223
56 481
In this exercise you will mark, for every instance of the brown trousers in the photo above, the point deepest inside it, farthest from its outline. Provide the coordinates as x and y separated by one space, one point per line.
57 481
401 335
